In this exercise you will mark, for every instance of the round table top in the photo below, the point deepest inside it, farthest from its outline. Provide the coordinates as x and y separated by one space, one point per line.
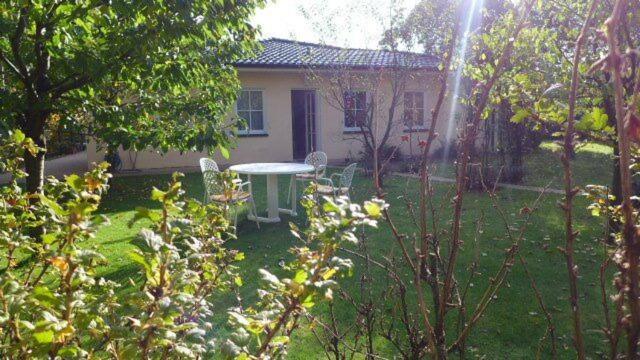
272 168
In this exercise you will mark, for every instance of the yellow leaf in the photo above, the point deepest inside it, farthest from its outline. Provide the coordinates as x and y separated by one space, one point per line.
64 334
59 262
327 275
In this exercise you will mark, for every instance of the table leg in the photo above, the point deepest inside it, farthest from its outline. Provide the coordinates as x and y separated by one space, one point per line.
272 197
294 198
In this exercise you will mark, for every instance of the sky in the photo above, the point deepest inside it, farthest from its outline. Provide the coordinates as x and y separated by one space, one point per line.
348 23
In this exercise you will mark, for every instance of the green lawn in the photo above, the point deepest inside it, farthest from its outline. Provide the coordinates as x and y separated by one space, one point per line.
513 325
594 163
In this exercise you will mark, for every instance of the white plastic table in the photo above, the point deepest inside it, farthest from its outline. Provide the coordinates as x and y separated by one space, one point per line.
272 170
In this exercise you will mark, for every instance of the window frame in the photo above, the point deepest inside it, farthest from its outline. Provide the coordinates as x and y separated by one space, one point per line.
351 129
414 110
248 131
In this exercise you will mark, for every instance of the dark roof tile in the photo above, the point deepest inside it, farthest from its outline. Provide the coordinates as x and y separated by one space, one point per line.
280 53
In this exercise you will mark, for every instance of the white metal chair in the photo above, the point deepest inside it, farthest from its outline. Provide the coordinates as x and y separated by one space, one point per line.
340 186
318 159
216 191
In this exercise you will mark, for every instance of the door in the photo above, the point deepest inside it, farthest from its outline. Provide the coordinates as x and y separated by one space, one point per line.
303 110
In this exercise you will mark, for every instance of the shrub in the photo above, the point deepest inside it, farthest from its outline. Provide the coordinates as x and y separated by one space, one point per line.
53 305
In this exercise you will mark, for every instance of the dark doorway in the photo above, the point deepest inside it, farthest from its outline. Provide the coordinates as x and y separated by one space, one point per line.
303 110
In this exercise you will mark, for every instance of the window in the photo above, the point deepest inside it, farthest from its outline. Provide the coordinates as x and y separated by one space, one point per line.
355 109
249 107
414 109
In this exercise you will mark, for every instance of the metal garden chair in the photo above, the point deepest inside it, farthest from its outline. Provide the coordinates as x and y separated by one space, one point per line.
318 159
337 184
218 191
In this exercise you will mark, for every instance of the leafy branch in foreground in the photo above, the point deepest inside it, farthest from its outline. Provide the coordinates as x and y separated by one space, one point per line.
264 330
50 302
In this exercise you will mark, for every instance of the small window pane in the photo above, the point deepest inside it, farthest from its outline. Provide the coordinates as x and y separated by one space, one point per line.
419 100
349 119
419 120
245 115
257 122
360 118
408 117
355 105
243 101
256 100
361 99
408 101
349 101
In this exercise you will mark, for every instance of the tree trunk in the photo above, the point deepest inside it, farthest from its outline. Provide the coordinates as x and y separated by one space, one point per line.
34 165
616 186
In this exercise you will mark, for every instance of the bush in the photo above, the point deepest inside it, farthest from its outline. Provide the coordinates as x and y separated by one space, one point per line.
54 305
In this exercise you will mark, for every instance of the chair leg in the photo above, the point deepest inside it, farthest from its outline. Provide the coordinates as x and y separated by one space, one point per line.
289 193
255 212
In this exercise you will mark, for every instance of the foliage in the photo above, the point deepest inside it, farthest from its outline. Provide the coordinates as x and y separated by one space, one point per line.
137 74
51 302
424 26
54 305
267 327
64 139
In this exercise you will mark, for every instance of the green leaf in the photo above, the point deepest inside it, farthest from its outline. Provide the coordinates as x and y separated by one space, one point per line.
141 260
308 302
330 207
44 337
224 151
280 339
372 209
75 181
18 136
44 295
520 115
157 194
57 209
301 276
49 238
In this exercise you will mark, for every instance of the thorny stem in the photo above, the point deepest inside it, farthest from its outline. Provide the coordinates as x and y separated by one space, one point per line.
505 268
570 191
550 327
294 302
631 249
462 179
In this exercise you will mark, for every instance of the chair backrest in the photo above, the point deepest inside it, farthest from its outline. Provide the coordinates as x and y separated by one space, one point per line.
347 175
210 170
317 158
207 164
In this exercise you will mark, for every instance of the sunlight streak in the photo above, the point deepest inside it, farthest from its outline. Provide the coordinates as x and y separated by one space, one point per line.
474 11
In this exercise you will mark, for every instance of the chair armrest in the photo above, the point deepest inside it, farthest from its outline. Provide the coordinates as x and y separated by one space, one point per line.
242 185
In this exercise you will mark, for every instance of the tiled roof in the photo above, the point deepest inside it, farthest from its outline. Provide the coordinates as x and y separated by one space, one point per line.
280 53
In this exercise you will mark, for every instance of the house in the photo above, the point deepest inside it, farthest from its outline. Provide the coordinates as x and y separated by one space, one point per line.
284 100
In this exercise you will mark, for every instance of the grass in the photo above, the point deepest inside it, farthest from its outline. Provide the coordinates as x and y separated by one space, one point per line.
542 167
513 325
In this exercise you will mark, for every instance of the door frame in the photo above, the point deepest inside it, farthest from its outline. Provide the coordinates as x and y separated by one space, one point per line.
318 124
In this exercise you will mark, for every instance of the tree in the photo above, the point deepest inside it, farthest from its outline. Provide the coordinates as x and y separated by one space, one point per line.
136 74
379 117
